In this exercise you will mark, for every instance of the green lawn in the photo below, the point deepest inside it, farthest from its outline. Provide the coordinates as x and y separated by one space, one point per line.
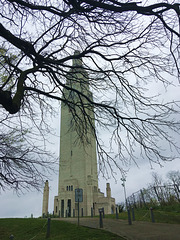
144 215
35 229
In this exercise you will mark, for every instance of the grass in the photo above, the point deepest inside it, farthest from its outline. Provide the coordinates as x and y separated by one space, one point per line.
35 229
169 207
160 215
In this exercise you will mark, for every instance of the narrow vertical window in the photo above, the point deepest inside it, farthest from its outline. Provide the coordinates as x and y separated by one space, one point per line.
71 187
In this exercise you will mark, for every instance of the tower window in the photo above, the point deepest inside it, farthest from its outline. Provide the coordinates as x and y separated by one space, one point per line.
69 188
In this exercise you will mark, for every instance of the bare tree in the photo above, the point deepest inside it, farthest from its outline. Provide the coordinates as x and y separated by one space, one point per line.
123 45
174 178
22 166
25 162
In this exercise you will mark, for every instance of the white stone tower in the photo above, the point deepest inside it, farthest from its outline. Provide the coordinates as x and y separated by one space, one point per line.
78 158
45 199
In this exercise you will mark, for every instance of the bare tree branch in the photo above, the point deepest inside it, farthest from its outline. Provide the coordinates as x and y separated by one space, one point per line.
122 46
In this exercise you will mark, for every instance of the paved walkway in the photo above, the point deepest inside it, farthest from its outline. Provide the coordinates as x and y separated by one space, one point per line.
136 231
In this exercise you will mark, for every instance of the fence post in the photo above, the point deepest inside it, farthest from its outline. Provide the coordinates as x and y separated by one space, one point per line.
129 217
133 215
100 218
152 215
48 228
116 213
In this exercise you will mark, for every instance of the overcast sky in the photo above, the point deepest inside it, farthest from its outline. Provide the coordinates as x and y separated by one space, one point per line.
31 202
12 205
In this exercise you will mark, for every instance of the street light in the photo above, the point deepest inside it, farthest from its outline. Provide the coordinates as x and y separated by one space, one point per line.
123 184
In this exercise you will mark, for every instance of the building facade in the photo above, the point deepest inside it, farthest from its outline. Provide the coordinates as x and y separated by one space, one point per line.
78 157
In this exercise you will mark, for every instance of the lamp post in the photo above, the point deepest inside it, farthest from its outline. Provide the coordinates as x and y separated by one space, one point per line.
123 179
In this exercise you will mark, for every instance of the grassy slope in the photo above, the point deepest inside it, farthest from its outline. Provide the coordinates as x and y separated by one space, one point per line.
160 215
27 229
35 229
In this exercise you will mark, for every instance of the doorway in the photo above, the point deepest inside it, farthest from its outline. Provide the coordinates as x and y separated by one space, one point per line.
62 208
69 207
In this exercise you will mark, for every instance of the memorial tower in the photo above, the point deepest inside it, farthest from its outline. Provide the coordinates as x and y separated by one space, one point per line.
78 158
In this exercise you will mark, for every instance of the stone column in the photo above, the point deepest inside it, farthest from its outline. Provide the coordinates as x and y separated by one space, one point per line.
45 199
108 190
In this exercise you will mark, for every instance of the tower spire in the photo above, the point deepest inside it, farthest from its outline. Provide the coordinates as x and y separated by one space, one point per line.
78 60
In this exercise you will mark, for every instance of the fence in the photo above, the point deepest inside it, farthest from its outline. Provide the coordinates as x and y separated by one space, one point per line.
154 195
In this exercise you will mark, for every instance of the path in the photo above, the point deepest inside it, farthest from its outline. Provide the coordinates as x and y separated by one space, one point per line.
137 231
